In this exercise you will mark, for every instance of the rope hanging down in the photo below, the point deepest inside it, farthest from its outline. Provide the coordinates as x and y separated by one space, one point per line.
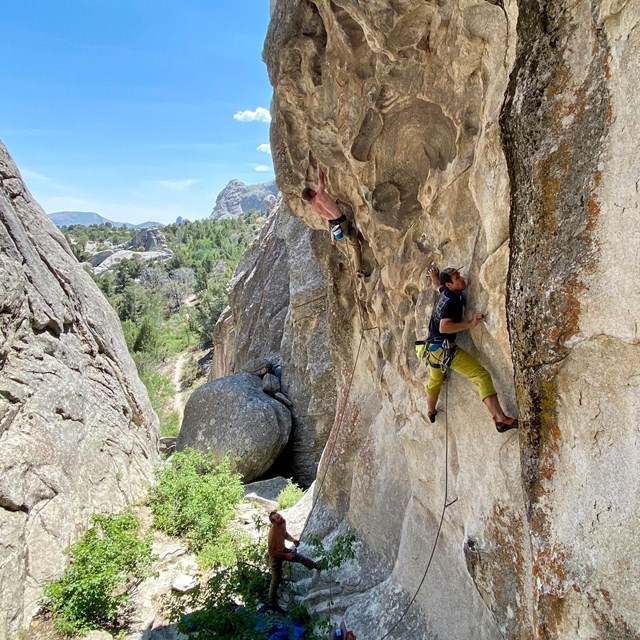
445 505
334 437
339 420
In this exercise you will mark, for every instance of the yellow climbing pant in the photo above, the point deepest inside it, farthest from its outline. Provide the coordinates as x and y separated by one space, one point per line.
462 363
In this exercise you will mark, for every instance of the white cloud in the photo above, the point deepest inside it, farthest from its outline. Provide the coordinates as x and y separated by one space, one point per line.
262 167
177 185
259 115
42 180
265 148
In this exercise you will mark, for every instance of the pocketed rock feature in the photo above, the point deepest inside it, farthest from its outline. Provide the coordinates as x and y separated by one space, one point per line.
77 432
399 103
234 415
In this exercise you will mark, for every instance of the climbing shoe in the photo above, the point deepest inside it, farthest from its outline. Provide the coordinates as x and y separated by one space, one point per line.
432 416
509 423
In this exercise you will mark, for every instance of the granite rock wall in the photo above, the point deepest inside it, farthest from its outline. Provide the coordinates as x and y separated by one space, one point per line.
77 432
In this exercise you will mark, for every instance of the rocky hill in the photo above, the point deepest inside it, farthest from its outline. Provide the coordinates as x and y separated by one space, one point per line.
77 431
500 136
238 198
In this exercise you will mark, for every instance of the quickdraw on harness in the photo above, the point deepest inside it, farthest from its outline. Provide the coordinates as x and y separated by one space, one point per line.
340 227
439 355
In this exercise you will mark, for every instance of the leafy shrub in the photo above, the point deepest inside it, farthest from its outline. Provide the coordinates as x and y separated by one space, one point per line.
342 550
170 425
190 373
225 606
290 495
147 338
212 303
161 395
194 497
104 564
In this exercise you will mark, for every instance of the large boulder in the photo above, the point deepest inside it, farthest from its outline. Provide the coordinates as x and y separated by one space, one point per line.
280 318
77 432
110 262
234 415
151 239
99 257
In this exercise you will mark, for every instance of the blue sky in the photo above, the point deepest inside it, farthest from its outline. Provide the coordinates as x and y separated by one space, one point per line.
126 107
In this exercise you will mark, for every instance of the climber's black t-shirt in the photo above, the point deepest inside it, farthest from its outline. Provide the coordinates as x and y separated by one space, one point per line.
449 305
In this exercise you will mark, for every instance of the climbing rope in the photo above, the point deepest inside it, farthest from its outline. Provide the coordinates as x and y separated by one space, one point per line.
334 439
339 419
343 404
445 505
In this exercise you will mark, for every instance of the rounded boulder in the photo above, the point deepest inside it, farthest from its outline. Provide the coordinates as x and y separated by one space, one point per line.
233 414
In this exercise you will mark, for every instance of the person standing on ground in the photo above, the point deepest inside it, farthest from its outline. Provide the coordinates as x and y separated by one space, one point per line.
340 227
446 321
279 552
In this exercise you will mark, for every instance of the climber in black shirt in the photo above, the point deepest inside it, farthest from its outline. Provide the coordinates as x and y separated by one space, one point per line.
446 321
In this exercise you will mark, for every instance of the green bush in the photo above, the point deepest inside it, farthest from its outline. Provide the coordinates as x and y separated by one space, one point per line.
332 558
290 495
195 497
105 562
147 338
178 333
224 607
190 373
170 424
161 395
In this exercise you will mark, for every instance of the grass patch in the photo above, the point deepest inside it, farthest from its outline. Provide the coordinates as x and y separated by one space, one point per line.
162 395
177 333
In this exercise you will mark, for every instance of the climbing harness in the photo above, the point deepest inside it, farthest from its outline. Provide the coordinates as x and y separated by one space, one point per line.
443 359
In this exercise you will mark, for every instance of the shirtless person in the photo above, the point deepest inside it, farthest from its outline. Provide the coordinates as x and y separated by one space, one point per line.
326 208
279 552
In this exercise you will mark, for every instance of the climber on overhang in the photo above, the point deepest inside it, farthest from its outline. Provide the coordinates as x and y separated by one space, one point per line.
339 226
442 352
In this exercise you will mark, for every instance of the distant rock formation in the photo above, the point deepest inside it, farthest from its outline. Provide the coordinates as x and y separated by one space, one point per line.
108 260
148 239
99 257
77 432
238 198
